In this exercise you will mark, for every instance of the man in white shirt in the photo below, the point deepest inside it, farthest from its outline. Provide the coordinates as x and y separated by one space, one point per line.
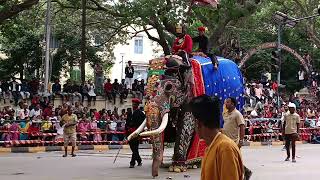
301 77
36 112
24 112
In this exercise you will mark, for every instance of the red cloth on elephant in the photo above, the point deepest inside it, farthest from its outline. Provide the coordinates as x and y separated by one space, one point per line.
198 146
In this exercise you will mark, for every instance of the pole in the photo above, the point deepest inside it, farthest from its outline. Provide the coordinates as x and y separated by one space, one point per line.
83 42
279 54
47 57
121 68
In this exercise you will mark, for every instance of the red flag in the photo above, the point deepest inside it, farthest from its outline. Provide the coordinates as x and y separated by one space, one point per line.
213 3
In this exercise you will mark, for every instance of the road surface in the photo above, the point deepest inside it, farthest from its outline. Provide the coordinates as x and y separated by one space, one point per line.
267 163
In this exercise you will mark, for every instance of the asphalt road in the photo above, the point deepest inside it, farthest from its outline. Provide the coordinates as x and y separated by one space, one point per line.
267 163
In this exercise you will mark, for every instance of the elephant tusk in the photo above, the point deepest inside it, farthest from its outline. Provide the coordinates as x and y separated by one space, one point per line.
161 128
137 131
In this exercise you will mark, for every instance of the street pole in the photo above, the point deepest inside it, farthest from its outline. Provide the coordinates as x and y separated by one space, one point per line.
83 42
47 57
121 69
279 60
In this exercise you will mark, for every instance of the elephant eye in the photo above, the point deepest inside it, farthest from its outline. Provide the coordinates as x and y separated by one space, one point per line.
168 87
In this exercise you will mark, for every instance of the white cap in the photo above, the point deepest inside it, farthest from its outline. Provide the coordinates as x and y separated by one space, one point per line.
292 105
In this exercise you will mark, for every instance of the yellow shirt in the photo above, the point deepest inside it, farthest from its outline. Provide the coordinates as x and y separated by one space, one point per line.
291 121
69 119
46 125
222 160
232 121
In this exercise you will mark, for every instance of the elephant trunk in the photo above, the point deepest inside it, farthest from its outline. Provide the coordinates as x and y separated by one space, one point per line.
161 128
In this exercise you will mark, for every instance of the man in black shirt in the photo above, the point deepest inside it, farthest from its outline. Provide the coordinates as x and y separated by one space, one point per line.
133 122
202 41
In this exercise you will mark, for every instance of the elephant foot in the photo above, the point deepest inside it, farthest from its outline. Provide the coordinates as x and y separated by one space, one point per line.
171 169
177 169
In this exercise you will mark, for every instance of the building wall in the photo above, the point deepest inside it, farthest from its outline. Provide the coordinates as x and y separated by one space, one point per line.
140 62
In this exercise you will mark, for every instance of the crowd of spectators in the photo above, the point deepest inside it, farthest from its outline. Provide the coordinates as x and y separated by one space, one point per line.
13 91
27 122
112 90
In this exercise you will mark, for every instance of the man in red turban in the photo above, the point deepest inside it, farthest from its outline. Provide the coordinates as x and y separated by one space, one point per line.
202 40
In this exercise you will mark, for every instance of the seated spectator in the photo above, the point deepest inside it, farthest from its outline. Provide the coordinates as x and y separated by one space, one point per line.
115 90
14 131
93 127
24 112
83 127
36 112
141 87
78 109
115 113
46 125
67 91
84 91
112 126
48 111
25 90
56 89
311 114
6 127
135 90
34 86
108 90
33 131
123 115
76 89
123 91
44 101
23 128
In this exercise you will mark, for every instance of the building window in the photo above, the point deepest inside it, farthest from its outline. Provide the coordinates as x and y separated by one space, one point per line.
138 45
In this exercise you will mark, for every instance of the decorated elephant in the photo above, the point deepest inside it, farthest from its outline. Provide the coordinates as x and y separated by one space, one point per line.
170 87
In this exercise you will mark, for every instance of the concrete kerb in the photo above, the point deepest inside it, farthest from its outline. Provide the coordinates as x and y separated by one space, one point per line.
278 143
110 147
61 148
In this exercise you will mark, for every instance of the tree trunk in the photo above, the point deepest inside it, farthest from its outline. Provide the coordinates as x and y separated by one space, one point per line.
83 42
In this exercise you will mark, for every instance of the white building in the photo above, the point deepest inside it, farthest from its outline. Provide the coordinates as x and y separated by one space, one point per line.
140 49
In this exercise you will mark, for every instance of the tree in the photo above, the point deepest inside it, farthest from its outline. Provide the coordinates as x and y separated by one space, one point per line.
21 43
10 8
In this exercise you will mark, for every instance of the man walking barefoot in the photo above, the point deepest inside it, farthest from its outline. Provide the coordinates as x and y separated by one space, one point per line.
234 127
69 121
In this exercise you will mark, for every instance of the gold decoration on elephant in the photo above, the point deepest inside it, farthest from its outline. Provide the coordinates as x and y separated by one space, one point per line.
156 66
152 112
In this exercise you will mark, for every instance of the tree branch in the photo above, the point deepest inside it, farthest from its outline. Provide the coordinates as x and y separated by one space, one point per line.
97 8
149 35
16 9
137 32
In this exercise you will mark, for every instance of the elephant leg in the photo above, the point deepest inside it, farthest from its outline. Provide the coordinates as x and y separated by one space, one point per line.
157 154
185 131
